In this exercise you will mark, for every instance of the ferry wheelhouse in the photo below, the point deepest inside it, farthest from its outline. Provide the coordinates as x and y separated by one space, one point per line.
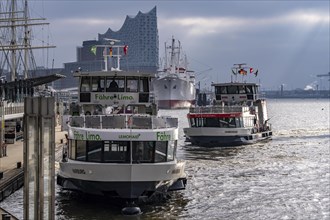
117 145
237 116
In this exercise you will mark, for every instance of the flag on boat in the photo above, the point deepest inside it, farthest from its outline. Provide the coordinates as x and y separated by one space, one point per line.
93 49
256 73
242 72
125 49
251 70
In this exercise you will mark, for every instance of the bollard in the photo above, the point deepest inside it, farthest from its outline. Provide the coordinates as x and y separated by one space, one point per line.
19 165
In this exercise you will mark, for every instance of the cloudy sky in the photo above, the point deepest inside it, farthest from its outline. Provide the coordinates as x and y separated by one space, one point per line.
286 40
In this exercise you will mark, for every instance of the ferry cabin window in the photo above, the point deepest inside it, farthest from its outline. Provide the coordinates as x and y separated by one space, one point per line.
160 152
116 151
221 90
94 151
85 84
143 151
227 122
232 89
115 84
97 84
192 122
241 89
81 150
248 89
171 150
212 122
132 84
144 84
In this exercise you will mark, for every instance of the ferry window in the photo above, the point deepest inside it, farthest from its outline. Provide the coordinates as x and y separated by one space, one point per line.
241 89
116 151
115 84
121 84
217 90
248 89
255 89
132 84
171 150
224 123
144 84
97 84
72 153
85 84
212 122
238 122
192 122
221 90
160 152
231 122
232 89
81 151
94 151
143 151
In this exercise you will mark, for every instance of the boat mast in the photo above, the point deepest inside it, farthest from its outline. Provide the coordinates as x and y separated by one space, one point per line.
15 20
25 43
13 42
172 56
166 63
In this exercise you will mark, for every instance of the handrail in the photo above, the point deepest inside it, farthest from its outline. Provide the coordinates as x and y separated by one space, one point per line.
123 121
219 109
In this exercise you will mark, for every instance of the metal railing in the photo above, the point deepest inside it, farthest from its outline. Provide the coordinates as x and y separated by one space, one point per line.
13 108
123 121
219 109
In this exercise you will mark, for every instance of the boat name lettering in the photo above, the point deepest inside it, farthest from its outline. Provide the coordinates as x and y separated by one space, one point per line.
112 97
79 171
161 136
88 136
129 136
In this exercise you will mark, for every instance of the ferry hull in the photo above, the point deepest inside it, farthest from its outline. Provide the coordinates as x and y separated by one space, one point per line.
122 181
174 93
121 190
207 139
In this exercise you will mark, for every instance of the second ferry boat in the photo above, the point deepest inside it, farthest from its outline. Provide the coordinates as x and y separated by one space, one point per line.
118 146
237 116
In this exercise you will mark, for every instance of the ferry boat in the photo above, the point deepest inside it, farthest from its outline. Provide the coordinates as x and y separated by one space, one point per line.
118 146
174 86
237 116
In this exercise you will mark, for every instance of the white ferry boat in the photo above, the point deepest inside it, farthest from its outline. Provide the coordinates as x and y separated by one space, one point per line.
117 145
237 116
174 86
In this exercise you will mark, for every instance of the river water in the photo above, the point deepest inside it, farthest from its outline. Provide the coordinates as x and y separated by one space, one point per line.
287 177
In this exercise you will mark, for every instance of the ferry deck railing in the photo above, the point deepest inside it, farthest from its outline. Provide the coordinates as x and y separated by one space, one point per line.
123 122
219 109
